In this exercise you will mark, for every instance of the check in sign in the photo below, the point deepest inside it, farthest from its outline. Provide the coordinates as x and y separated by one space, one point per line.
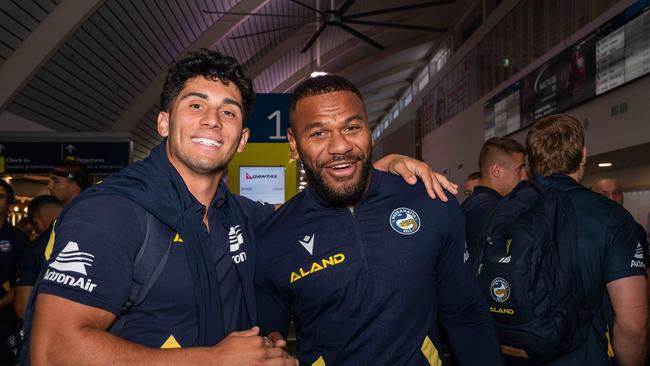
270 118
38 157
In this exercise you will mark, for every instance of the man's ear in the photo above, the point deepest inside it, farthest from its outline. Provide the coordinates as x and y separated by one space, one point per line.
495 170
163 124
584 155
243 139
292 144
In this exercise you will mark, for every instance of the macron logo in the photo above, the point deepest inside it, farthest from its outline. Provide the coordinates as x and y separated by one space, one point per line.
72 260
308 243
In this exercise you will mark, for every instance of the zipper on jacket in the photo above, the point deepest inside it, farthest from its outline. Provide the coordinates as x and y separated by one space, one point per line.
357 235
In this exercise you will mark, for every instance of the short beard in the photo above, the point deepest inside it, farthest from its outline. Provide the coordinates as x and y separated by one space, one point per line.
350 194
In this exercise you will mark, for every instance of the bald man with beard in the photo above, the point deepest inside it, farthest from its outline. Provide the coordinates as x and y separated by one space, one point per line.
611 188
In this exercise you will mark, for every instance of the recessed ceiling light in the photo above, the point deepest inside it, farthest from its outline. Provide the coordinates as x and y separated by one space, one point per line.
604 165
317 73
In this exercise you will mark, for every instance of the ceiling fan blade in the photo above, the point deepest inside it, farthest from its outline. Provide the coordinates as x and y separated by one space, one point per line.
255 14
346 5
306 6
398 26
360 35
270 30
399 8
313 38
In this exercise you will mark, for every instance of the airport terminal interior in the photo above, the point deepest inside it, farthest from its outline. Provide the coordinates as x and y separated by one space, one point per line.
81 79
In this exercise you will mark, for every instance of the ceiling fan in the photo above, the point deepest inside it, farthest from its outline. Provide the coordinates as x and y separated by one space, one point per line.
339 19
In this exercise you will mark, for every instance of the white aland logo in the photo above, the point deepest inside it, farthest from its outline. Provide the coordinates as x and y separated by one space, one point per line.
71 259
405 221
236 240
638 261
500 289
308 243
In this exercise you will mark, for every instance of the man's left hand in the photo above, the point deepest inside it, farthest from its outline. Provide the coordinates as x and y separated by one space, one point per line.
410 169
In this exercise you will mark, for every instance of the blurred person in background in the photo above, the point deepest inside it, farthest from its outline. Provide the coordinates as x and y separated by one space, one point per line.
67 180
43 211
12 242
26 226
502 166
470 183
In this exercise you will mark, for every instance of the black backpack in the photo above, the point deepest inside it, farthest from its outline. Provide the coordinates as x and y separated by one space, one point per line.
529 273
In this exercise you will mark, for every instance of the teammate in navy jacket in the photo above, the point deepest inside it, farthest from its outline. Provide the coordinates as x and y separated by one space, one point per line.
365 263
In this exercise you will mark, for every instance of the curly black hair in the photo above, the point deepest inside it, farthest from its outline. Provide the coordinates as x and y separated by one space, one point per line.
212 65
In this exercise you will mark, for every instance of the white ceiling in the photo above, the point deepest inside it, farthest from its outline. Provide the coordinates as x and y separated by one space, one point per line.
106 73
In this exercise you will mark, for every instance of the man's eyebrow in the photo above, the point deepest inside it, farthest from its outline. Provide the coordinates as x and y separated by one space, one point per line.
353 118
317 124
205 96
311 125
195 94
234 102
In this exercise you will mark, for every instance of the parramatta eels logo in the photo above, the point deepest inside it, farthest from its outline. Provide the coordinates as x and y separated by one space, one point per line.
405 221
500 289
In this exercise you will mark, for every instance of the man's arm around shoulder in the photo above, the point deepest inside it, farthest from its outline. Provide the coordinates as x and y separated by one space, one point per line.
67 332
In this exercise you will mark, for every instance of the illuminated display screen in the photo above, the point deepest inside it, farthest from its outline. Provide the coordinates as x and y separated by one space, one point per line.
264 184
614 54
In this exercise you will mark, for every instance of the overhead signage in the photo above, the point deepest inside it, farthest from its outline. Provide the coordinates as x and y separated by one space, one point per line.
270 118
614 54
27 157
99 157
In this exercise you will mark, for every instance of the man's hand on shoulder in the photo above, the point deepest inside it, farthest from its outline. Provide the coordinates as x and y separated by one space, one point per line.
410 169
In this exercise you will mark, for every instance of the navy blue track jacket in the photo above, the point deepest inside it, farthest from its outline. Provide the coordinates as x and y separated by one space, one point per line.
368 285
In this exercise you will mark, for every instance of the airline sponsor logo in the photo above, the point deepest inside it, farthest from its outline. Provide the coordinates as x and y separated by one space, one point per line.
71 259
324 263
249 176
81 282
638 261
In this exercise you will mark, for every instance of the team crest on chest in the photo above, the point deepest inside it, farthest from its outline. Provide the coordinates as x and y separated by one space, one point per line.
405 221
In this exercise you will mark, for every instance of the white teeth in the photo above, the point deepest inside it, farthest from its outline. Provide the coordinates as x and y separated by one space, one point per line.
206 142
341 166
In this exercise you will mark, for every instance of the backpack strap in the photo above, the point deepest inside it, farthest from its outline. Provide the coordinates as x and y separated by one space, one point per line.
149 264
